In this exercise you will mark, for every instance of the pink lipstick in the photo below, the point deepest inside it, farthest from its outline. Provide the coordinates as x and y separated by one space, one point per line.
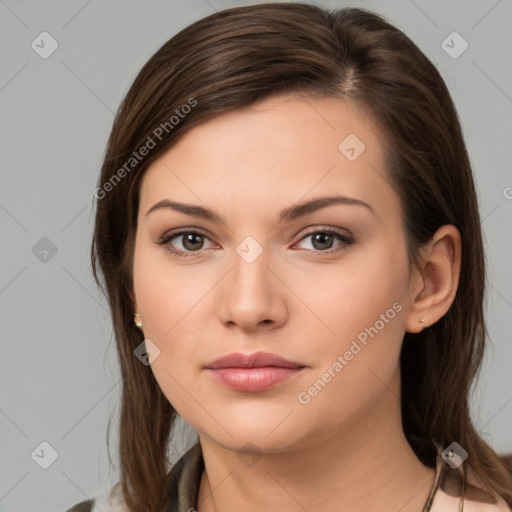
252 372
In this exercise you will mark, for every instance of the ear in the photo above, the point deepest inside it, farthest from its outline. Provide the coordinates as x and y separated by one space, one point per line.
435 283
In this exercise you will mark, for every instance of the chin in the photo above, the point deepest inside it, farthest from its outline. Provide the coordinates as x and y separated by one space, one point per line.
253 433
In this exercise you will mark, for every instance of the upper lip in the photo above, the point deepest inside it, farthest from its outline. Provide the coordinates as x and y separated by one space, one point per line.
256 360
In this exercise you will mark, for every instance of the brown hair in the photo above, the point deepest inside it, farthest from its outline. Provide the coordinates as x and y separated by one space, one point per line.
233 59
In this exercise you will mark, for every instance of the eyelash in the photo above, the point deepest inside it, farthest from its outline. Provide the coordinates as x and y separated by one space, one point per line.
165 240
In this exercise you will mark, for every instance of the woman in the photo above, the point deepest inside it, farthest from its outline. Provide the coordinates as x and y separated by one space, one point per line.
288 234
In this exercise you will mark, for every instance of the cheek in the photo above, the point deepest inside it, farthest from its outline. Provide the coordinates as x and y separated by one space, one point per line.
173 301
359 339
167 299
166 294
364 292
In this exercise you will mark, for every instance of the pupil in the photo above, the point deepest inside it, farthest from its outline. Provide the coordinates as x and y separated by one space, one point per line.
189 239
321 237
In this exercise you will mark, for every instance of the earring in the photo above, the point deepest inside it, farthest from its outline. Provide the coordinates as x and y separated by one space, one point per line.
422 322
138 323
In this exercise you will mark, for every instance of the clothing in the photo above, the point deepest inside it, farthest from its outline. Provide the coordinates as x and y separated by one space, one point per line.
185 477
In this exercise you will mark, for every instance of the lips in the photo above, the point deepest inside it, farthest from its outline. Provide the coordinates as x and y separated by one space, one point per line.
256 360
252 372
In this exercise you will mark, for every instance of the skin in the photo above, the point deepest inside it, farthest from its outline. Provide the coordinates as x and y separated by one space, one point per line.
345 449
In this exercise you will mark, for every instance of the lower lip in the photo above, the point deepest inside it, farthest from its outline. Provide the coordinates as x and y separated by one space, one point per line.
253 379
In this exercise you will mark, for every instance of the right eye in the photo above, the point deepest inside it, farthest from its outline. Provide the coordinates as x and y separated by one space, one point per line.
192 242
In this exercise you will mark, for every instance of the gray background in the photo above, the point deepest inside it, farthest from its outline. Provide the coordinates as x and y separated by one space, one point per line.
60 379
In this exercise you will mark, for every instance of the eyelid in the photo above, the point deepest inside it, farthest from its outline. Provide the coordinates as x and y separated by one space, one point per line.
326 228
169 235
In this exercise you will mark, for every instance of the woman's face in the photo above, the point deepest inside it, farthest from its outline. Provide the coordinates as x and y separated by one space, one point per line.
325 287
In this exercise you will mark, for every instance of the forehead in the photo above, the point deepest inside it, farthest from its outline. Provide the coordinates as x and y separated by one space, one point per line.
282 149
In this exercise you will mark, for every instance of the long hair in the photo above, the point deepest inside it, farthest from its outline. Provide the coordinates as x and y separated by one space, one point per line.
233 59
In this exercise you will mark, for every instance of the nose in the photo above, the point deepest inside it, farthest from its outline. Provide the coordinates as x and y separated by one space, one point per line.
253 297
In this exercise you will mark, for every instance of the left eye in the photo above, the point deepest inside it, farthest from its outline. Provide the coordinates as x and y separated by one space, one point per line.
322 240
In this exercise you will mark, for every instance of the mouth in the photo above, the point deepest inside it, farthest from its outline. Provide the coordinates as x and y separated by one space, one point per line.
252 372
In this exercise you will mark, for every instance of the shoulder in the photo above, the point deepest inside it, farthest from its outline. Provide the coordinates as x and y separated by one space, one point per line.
109 500
443 502
83 506
449 489
182 486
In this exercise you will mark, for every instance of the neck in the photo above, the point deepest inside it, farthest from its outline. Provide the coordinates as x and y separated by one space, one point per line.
370 467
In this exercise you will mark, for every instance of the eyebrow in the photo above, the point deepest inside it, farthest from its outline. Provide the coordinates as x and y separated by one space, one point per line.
286 215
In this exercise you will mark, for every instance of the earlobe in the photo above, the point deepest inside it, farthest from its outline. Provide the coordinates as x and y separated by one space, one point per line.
134 301
438 280
137 320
